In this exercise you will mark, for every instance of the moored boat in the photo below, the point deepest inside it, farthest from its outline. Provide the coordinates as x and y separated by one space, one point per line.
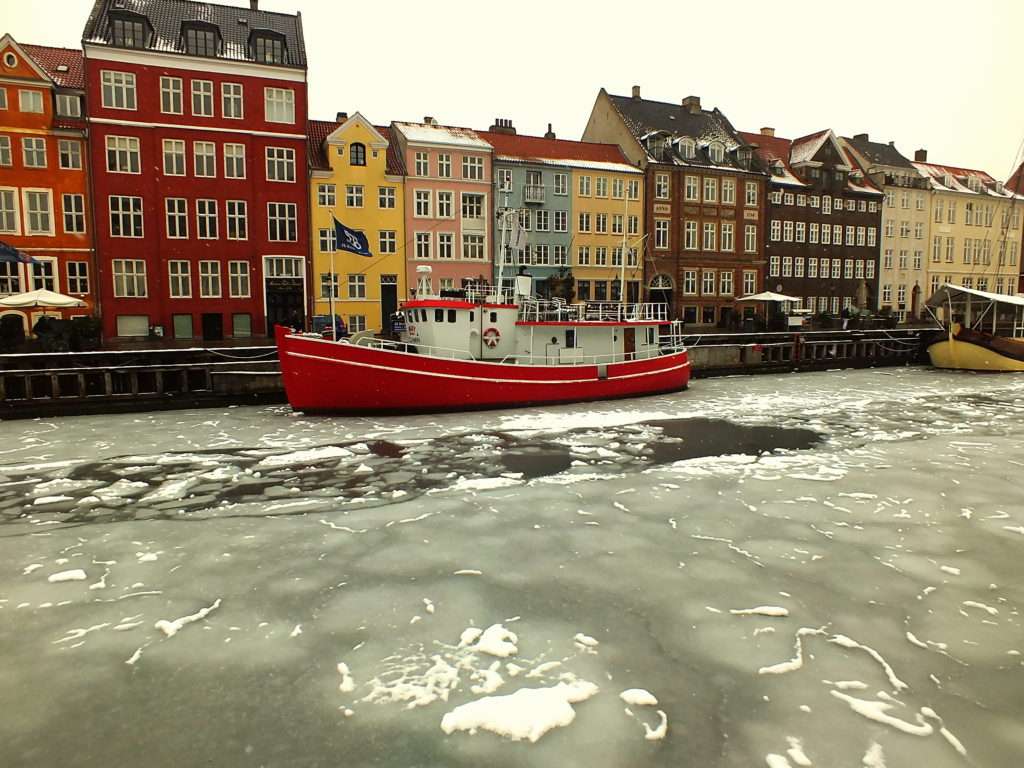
982 331
483 348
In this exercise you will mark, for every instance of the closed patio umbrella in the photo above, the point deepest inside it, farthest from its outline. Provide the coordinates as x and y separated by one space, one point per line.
40 298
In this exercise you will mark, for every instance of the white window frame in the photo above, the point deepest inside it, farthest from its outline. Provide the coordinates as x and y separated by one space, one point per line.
201 93
28 231
279 105
240 273
210 279
77 212
72 149
179 214
179 279
171 90
207 151
235 153
232 94
117 90
139 273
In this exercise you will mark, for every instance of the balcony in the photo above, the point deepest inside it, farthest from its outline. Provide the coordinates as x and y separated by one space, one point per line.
533 193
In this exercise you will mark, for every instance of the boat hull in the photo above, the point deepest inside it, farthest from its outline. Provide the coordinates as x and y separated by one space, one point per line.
963 355
327 377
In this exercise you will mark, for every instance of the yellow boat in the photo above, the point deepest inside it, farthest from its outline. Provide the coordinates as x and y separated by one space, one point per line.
983 331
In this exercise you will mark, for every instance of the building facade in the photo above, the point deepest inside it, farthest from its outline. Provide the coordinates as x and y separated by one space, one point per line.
197 116
704 203
1016 185
581 205
448 205
823 223
905 219
356 177
45 206
975 228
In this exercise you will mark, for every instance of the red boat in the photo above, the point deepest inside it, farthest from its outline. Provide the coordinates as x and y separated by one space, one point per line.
484 350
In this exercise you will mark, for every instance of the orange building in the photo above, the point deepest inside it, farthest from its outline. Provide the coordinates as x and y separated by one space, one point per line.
44 200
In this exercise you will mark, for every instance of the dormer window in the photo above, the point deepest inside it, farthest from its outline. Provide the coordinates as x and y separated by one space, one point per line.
947 180
716 151
743 154
357 154
974 183
129 31
840 176
200 38
268 47
688 148
776 167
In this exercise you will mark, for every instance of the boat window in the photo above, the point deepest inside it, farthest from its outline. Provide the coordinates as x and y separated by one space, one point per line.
471 316
650 336
570 338
494 317
451 315
438 315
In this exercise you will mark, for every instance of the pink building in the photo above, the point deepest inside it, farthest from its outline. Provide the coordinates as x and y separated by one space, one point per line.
448 204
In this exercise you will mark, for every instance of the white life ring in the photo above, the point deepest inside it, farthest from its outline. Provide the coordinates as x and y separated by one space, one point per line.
491 337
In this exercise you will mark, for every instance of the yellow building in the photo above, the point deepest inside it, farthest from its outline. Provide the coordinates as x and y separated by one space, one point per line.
607 211
356 176
974 233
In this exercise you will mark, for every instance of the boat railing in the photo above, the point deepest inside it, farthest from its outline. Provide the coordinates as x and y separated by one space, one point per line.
605 359
390 345
557 310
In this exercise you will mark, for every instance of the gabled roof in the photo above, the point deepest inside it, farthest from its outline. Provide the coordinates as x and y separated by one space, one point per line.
959 180
774 151
878 153
236 24
1016 182
865 184
806 147
432 133
537 149
777 151
65 66
646 119
317 132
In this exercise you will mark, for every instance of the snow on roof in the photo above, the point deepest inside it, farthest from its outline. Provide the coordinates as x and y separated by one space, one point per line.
805 148
949 178
774 152
538 149
428 133
865 184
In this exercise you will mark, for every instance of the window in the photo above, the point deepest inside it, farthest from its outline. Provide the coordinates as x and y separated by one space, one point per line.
725 283
617 189
129 278
280 164
123 154
204 155
600 256
282 222
174 157
206 219
128 32
859 270
30 101
238 281
709 236
177 217
354 195
473 168
202 98
798 267
42 275
601 186
812 267
387 241
872 235
325 195
357 323
801 201
837 234
385 197
328 241
861 232
78 277
836 268
787 266
10 218
939 204
444 166
776 230
751 194
5 151
919 257
601 223
710 190
234 161
691 190
357 154
561 219
38 212
422 164
729 192
749 282
421 200
584 222
690 235
422 245
661 234
279 105
231 100
584 186
543 217
446 205
826 234
716 151
560 184
790 199
848 269
690 282
787 231
812 234
815 201
73 207
776 197
473 246
268 49
69 154
34 152
445 245
728 237
357 286
918 230
887 259
826 205
117 90
238 219
583 255
750 238
179 275
329 285
170 95
801 232
661 188
473 208
633 189
849 235
209 279
708 282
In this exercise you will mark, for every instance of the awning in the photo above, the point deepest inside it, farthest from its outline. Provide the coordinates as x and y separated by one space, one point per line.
40 298
769 296
958 294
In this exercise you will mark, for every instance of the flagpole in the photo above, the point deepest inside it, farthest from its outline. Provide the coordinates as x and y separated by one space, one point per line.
622 260
332 283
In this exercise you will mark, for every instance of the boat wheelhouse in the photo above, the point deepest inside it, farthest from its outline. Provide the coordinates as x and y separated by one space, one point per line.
983 331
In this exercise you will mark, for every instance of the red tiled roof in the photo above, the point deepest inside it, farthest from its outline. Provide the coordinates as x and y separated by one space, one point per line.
1016 182
526 147
771 148
317 132
49 59
954 171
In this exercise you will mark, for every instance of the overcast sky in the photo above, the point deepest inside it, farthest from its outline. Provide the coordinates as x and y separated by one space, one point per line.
940 74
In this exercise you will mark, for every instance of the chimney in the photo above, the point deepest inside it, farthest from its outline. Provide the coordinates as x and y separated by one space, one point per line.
692 104
429 120
254 5
766 131
341 117
636 93
503 125
550 134
921 156
861 137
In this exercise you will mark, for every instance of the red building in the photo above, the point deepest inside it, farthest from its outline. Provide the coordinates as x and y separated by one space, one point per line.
197 118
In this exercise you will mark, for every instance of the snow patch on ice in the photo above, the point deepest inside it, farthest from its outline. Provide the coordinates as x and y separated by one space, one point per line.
761 610
638 697
76 574
171 628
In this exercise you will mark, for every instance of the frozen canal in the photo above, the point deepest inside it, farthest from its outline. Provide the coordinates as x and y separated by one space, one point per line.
814 569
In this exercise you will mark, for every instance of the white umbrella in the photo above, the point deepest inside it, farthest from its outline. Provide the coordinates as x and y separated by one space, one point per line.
769 296
40 298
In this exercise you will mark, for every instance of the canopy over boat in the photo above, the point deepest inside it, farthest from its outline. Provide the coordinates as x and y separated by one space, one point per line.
958 294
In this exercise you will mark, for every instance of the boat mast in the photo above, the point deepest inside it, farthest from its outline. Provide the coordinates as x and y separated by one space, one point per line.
622 260
504 240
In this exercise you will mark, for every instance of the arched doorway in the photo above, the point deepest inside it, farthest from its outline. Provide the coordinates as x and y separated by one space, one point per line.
659 291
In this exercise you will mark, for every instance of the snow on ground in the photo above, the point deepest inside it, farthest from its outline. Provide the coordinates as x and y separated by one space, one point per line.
814 569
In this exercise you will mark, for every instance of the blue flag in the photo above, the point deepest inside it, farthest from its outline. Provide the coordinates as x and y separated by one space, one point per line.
350 240
10 254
